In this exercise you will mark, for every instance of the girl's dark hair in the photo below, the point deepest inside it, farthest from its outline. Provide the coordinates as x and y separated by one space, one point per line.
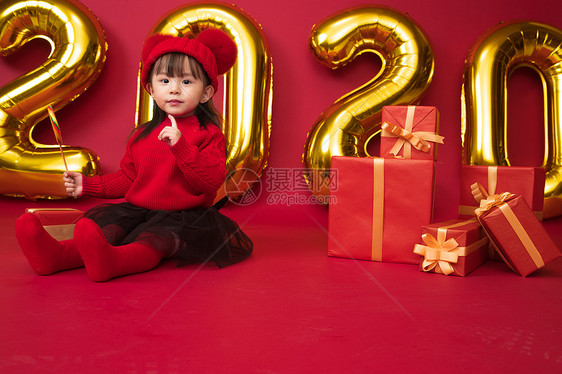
173 65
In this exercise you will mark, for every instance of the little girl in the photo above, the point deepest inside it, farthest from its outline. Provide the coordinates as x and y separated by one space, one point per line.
169 176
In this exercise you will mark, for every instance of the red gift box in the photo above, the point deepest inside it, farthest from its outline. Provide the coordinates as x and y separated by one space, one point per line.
525 181
58 222
454 247
517 234
378 208
410 132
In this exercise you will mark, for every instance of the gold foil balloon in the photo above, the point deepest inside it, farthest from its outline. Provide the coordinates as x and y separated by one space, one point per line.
345 127
247 91
495 55
78 51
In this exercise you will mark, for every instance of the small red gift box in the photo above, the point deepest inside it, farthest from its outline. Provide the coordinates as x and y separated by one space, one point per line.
517 234
525 181
454 247
58 222
410 132
378 208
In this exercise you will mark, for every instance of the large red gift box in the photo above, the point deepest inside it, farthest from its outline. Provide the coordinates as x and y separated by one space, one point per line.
58 222
525 181
517 234
378 208
454 247
410 132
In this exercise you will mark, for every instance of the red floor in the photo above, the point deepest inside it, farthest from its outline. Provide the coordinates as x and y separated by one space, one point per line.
288 309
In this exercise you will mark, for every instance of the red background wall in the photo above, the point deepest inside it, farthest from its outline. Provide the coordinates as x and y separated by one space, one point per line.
103 116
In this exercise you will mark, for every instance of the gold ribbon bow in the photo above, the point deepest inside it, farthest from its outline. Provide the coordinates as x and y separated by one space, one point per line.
408 138
437 252
487 202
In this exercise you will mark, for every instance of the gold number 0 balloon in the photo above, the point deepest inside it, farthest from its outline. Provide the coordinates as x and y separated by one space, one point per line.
78 50
247 90
347 125
493 57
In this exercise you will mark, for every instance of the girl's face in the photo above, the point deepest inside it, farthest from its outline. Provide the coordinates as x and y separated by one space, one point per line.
178 91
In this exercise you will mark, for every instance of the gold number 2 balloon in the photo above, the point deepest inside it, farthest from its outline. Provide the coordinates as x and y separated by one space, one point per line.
247 91
493 57
348 124
78 51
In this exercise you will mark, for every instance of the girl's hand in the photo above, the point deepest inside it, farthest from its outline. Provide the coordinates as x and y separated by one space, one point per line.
73 183
170 134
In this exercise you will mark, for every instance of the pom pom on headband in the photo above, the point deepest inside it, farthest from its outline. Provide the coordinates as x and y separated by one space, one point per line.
213 49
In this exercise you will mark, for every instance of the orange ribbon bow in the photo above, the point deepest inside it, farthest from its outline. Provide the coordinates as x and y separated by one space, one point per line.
418 139
437 253
487 202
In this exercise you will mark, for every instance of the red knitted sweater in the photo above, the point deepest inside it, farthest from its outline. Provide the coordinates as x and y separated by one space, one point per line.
154 175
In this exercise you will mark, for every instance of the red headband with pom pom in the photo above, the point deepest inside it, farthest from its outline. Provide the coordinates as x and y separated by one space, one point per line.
213 49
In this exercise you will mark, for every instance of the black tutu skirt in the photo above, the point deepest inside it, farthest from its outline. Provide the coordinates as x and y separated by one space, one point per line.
198 235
